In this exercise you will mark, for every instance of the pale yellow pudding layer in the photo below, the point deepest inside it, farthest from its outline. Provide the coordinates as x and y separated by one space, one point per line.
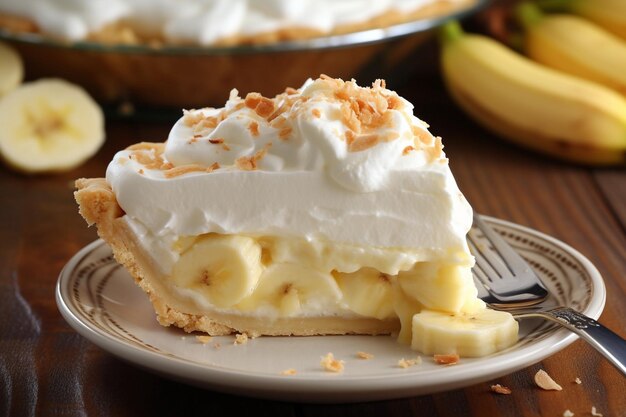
278 277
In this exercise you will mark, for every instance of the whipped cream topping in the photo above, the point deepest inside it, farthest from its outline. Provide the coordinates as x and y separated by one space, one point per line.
200 21
330 162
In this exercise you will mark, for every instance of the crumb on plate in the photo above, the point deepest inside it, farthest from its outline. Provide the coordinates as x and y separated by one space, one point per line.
330 364
241 339
544 381
450 359
364 355
406 363
204 339
499 389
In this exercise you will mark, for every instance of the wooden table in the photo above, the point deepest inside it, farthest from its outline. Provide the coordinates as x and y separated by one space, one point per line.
47 369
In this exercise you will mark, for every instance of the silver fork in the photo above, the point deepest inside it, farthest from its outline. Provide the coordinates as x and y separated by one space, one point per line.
513 286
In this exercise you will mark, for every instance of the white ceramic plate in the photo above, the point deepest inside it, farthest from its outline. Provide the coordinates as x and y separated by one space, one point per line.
100 300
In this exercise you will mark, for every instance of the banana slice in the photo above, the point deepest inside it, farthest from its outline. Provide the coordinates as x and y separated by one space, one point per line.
49 125
367 292
468 335
223 268
446 288
11 69
290 287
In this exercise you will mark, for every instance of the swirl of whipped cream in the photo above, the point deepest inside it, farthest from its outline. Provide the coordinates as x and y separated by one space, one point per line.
358 140
200 21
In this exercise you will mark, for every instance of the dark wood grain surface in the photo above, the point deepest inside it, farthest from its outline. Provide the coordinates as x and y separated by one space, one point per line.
47 369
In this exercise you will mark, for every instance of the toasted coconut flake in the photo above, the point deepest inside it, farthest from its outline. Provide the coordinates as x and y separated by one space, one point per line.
213 167
208 123
183 169
435 152
595 413
330 364
148 158
407 363
216 141
348 117
278 122
316 113
252 100
140 171
544 381
265 107
363 142
192 117
450 359
350 137
253 127
284 133
394 103
204 339
499 389
289 372
364 355
407 150
262 106
286 104
246 163
422 136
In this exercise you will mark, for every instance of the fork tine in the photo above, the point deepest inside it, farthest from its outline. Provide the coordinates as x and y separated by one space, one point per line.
487 261
509 257
482 277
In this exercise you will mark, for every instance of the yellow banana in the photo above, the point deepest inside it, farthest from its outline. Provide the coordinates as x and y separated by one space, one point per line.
610 14
574 45
533 105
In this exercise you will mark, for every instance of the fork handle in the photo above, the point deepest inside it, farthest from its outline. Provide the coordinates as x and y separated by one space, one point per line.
612 346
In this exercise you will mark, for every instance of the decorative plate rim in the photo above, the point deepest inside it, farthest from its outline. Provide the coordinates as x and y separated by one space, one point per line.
354 387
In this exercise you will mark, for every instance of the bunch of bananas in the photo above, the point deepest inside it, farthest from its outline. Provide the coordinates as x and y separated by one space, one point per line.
565 96
45 125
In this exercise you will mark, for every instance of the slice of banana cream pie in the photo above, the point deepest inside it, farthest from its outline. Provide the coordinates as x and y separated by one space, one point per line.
329 209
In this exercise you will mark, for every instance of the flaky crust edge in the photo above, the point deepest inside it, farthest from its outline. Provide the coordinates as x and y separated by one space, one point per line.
98 206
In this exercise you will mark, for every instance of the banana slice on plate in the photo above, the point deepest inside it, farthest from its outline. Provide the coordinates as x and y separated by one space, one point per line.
223 268
11 69
49 125
367 292
468 335
290 287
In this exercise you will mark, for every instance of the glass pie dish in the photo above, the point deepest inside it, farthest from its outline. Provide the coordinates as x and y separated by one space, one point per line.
194 76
